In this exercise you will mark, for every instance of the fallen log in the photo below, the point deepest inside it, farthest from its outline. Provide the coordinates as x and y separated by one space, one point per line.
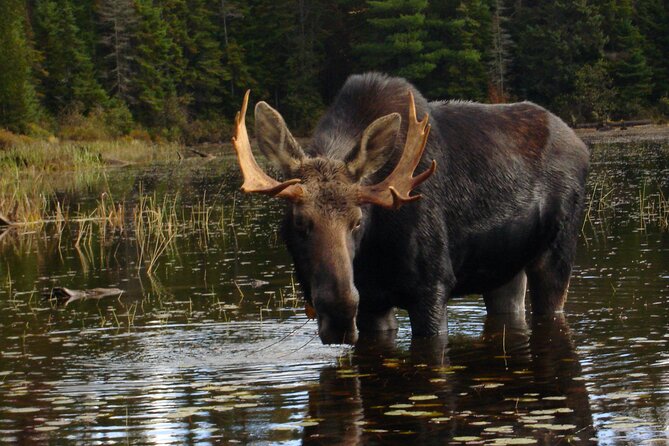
66 296
203 154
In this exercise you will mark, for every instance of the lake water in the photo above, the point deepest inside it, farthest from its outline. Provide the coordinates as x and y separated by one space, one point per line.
213 347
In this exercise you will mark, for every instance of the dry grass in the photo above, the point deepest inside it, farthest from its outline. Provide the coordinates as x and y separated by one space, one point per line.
31 171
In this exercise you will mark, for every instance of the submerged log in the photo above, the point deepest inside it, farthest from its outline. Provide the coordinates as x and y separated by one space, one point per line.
65 295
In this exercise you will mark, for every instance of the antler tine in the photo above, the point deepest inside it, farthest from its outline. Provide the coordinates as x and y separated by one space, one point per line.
393 192
255 179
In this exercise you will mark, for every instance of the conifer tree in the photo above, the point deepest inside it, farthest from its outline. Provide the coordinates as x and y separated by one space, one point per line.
396 39
626 61
118 19
153 82
193 26
500 52
237 72
68 76
553 40
652 17
458 34
17 95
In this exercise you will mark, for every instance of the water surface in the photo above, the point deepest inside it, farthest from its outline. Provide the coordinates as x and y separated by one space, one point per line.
213 347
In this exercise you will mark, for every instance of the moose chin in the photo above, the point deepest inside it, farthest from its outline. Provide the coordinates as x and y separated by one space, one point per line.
502 190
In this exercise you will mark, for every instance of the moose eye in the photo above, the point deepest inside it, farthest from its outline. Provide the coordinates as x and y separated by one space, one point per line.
356 225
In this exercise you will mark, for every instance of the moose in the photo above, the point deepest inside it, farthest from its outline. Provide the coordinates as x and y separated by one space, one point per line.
502 190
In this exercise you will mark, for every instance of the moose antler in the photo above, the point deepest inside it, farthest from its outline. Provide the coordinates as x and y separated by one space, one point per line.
255 179
393 192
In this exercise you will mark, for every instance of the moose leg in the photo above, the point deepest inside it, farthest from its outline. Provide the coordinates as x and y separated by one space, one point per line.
428 311
373 321
509 298
548 277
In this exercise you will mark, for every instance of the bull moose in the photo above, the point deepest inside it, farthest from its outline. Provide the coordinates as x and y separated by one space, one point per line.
501 210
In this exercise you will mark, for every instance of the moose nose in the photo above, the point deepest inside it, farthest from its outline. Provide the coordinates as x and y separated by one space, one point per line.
336 310
332 330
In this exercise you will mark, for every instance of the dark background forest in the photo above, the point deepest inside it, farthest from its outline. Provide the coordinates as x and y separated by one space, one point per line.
177 69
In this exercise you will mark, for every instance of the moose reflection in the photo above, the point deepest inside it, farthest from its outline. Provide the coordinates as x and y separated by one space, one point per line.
511 382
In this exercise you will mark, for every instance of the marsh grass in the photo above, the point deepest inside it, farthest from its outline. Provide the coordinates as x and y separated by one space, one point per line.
653 208
32 172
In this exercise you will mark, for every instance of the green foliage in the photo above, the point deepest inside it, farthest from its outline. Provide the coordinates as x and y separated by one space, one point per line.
396 40
67 74
154 81
553 41
460 34
652 18
625 58
593 96
18 105
118 20
177 69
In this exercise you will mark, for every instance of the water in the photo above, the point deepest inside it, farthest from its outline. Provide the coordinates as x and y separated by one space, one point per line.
213 347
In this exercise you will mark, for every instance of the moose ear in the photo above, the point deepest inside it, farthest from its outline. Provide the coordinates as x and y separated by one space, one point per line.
376 146
275 140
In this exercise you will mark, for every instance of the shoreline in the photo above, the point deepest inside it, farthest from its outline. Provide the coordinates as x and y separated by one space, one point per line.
641 133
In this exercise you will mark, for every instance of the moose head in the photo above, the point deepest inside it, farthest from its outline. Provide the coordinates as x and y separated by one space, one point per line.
328 213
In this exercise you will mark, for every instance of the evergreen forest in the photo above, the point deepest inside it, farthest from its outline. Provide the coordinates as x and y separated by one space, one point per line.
177 69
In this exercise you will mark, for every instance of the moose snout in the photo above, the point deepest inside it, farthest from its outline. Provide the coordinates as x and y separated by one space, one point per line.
337 311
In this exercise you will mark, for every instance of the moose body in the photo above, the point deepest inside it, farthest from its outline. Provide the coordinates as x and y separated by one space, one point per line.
500 213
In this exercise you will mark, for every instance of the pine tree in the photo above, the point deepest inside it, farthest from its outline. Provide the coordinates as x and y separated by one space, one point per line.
396 39
303 101
17 95
198 67
68 77
499 53
459 34
153 82
237 72
652 17
553 40
118 19
627 63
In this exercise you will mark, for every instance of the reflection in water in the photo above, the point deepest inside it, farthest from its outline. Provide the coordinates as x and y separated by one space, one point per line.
513 382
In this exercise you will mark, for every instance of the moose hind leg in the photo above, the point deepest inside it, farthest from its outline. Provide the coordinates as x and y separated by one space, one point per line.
509 298
548 277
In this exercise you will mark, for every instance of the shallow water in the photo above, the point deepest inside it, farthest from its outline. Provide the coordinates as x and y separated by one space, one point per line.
213 346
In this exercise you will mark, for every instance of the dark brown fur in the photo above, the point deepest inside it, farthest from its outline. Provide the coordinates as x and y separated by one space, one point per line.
504 204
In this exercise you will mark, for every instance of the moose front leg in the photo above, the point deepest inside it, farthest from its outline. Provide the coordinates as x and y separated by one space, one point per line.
427 311
375 321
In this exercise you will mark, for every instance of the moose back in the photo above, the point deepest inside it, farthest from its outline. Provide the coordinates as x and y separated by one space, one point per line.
502 190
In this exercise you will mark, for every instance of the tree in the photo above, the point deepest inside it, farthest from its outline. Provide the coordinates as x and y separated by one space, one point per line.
154 82
303 101
193 26
500 53
118 19
68 77
593 96
652 17
18 105
553 40
395 42
626 61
